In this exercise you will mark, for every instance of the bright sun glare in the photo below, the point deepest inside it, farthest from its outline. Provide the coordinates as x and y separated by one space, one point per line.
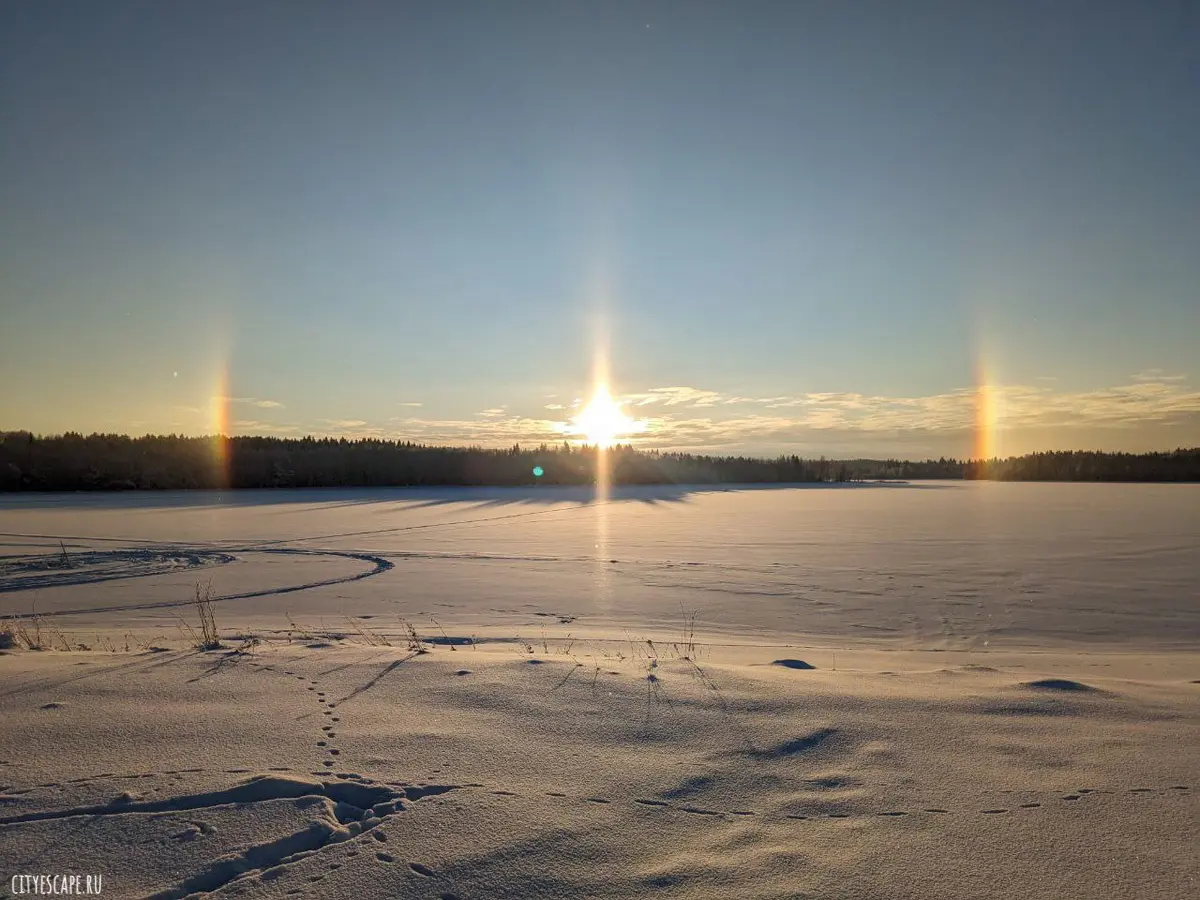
602 421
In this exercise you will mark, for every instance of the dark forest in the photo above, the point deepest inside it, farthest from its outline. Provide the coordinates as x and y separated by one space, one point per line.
75 462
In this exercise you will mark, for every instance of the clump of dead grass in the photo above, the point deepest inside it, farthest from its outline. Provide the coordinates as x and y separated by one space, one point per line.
414 643
369 637
204 635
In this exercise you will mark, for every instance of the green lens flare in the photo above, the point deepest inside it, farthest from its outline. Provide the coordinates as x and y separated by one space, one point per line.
538 471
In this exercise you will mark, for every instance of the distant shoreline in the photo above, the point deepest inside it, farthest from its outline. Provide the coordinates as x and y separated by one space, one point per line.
113 463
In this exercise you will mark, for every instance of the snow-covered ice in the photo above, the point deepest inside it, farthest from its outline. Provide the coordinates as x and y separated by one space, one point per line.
980 690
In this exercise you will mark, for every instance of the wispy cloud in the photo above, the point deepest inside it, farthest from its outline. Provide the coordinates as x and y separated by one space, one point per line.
1158 375
412 403
253 426
488 432
250 401
674 396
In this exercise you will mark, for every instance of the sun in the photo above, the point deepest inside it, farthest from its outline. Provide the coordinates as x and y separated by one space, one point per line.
602 421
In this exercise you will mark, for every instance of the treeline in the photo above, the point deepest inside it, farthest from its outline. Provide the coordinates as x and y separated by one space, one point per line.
75 462
1084 465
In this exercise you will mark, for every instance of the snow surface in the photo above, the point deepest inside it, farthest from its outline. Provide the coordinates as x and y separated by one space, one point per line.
928 690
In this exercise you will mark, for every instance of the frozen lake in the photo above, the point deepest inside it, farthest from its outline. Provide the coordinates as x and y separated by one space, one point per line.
570 738
953 566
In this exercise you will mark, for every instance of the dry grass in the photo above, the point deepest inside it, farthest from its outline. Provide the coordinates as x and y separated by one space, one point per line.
414 643
370 638
686 648
294 630
31 634
26 633
204 636
445 637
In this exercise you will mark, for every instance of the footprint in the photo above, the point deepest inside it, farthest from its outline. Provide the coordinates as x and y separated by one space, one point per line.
994 812
652 802
1030 805
596 800
935 809
422 870
1071 797
380 836
892 813
385 857
335 752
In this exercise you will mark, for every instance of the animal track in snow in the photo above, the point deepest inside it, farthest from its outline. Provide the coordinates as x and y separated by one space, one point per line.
888 813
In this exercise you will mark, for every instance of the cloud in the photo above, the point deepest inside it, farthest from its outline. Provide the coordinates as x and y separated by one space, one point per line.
412 403
252 426
1157 376
673 396
250 401
490 432
1143 414
1142 403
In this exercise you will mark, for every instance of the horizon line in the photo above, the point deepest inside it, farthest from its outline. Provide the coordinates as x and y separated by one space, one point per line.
580 446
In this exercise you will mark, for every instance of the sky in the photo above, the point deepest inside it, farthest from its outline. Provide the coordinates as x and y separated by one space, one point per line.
862 228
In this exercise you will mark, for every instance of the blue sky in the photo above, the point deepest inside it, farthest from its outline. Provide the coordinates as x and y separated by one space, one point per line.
807 227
